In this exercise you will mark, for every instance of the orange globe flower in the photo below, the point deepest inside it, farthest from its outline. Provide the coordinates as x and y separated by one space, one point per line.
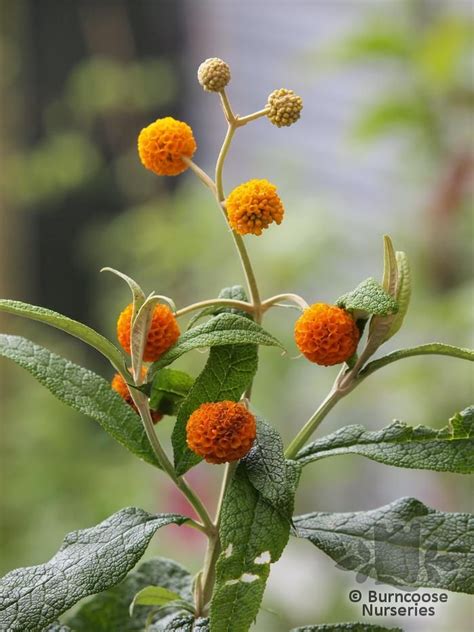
221 432
162 145
121 387
326 334
163 333
253 206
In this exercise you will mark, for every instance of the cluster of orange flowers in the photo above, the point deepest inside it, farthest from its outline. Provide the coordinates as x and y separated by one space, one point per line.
325 334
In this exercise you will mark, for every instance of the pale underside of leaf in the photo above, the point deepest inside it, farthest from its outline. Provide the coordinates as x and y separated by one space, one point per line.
89 561
402 544
420 447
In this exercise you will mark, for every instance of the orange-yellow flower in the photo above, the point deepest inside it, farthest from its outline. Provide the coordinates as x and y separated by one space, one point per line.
221 432
162 145
326 334
121 387
163 332
253 206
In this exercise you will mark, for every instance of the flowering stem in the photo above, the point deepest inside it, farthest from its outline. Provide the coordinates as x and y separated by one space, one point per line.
141 403
216 302
294 298
243 120
201 174
313 422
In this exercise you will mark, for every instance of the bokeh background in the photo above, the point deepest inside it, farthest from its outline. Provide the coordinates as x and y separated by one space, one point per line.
384 146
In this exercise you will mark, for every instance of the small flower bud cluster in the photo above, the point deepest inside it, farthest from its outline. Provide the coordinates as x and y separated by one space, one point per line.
284 107
213 74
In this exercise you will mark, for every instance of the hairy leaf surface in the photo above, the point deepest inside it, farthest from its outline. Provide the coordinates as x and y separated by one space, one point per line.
253 535
223 329
68 325
82 390
109 610
345 627
404 543
89 561
450 449
369 297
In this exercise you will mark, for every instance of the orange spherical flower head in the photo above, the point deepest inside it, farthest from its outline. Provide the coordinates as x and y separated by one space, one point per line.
121 387
163 333
221 432
326 334
253 206
162 145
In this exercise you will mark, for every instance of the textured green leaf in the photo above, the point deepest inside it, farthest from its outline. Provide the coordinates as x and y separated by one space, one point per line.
82 390
402 544
181 623
450 449
89 561
253 534
268 470
109 610
57 627
168 389
72 327
369 297
234 293
223 329
228 372
345 627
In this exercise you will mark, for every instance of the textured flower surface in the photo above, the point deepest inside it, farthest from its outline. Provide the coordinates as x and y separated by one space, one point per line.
121 387
163 333
284 107
221 432
253 206
213 74
326 334
162 145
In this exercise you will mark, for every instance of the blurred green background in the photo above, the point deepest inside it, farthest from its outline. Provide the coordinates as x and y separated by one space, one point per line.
384 145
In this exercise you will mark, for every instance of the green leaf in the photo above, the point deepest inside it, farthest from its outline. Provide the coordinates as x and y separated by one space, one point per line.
369 297
228 372
235 293
450 449
223 329
168 389
138 296
89 561
253 534
402 544
181 623
72 327
268 470
82 390
403 293
157 596
57 627
345 627
109 610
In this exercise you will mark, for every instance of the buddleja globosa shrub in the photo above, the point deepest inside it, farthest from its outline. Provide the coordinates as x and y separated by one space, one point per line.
214 420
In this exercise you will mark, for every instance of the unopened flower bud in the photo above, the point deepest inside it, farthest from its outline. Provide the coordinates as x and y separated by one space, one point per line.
284 107
213 74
